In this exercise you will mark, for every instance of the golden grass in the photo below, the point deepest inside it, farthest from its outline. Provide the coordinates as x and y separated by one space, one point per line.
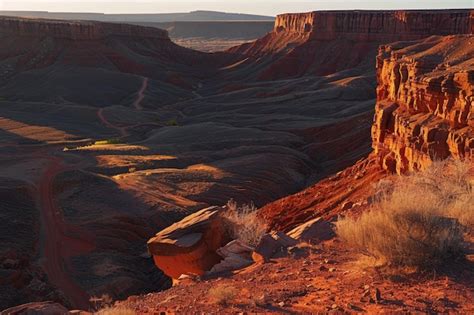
244 224
420 221
116 310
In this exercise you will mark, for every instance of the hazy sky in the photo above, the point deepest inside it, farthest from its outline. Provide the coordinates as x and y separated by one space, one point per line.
267 7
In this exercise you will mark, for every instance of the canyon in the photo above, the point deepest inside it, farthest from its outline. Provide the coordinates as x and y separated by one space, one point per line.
111 133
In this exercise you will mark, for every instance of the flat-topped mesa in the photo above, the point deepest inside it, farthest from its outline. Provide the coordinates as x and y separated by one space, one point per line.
376 25
425 102
76 30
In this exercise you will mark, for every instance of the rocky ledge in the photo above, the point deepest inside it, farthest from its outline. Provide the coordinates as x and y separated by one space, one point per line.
425 102
76 30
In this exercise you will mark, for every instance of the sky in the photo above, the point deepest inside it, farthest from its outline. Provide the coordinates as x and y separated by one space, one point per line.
263 7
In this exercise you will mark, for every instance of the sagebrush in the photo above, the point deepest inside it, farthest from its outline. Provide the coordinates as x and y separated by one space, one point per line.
420 221
223 295
243 223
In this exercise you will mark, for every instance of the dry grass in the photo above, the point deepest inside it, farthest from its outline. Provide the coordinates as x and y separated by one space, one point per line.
420 221
244 224
116 310
223 295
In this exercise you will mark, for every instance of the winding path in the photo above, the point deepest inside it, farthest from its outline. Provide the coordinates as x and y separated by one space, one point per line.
56 245
141 95
122 130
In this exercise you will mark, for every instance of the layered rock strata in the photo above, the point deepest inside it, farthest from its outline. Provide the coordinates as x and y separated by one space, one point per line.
80 30
376 25
425 102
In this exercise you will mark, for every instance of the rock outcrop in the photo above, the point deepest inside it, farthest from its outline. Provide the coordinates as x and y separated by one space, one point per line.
424 112
425 102
376 25
76 30
190 246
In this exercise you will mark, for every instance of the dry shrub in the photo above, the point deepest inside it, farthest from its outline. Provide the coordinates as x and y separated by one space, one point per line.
116 310
420 221
223 295
101 302
244 224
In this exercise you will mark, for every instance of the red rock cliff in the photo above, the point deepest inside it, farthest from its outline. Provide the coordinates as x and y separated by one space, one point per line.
376 25
326 42
425 102
82 30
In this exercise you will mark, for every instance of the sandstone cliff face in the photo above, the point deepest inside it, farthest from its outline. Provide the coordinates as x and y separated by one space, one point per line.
425 102
326 42
76 30
376 25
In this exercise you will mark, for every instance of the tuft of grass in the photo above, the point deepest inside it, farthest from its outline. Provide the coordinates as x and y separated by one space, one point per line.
223 295
116 310
243 223
172 123
108 141
418 222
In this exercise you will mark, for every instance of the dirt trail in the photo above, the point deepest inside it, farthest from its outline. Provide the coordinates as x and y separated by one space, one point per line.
141 95
137 104
122 130
55 247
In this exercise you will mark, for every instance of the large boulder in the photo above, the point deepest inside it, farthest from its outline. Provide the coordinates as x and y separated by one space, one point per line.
189 246
37 308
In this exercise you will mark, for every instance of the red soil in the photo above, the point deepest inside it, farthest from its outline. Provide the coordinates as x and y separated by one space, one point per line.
319 279
58 246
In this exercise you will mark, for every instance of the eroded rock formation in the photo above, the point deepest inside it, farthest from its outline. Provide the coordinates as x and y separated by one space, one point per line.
319 42
376 25
76 30
425 102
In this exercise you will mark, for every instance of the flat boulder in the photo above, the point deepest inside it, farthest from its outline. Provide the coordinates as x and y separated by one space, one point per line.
315 230
270 245
236 255
190 246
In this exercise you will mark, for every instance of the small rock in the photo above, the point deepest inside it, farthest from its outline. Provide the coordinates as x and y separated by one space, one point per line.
323 268
334 306
281 304
332 269
347 205
377 296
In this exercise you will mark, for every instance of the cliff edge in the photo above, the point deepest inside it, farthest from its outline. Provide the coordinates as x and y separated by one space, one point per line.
76 30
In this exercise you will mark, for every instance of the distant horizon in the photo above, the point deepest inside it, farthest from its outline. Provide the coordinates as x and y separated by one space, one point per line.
223 12
253 7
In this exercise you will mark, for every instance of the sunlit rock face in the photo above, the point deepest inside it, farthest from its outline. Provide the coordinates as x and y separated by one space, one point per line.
425 102
325 42
376 25
189 246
